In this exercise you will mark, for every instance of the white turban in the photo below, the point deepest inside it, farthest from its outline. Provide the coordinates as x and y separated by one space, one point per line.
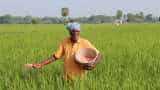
71 26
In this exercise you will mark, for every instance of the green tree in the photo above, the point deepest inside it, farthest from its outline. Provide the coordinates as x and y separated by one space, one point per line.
119 14
149 18
141 15
27 19
130 17
35 21
6 19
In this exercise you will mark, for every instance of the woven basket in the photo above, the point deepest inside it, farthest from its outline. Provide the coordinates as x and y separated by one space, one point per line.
85 56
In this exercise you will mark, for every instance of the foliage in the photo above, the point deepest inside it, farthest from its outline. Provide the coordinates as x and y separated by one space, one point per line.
131 57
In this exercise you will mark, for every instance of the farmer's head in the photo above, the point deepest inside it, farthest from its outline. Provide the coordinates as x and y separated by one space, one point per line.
74 31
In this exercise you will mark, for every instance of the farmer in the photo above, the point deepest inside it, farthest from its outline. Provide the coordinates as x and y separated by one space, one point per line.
67 48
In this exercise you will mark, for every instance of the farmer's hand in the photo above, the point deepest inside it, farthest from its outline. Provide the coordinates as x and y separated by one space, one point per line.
90 66
37 66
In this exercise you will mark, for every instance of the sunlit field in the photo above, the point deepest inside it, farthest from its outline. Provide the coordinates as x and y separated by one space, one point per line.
131 57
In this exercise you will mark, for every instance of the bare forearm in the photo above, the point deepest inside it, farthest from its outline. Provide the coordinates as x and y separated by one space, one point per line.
45 62
48 60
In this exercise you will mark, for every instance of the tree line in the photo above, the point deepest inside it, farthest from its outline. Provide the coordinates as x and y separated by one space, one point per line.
127 18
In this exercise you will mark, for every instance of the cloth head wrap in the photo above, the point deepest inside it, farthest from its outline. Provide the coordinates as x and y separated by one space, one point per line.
73 26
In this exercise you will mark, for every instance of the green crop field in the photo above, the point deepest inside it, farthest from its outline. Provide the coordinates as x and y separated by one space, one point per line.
131 57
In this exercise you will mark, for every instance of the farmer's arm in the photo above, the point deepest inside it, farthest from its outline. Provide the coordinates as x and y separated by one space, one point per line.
48 61
58 54
45 62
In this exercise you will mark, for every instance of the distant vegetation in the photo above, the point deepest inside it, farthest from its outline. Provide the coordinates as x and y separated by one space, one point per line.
129 18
